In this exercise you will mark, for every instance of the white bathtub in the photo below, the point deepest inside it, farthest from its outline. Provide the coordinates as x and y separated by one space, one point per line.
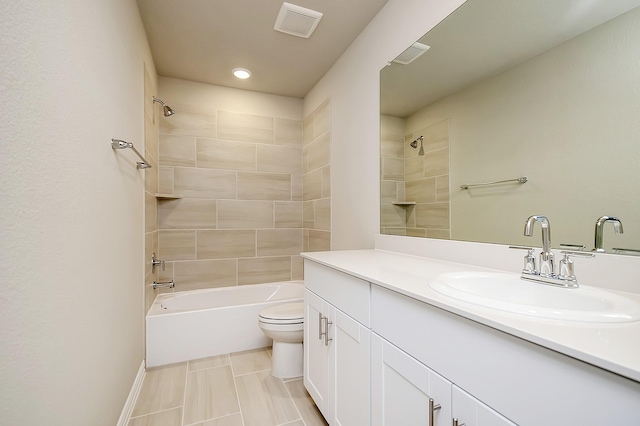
202 323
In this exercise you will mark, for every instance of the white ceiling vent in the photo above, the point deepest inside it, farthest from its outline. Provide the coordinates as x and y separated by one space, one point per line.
296 20
411 54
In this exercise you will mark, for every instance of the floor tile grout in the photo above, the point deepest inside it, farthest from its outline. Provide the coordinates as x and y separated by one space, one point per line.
235 386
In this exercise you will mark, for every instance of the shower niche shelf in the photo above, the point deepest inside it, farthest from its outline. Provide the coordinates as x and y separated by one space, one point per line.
404 203
168 196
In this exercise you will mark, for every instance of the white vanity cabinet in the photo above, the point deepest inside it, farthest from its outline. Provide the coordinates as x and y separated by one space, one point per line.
468 411
337 345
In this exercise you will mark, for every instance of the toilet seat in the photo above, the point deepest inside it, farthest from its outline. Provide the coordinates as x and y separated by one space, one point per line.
286 313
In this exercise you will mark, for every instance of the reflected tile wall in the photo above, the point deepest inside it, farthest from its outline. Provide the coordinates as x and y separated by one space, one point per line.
241 181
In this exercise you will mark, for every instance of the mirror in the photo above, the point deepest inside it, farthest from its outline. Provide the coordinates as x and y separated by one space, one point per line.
548 90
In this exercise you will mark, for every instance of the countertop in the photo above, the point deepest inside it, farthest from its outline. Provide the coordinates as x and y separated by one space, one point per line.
613 347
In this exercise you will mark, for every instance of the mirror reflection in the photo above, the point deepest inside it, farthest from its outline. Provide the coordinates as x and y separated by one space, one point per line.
505 90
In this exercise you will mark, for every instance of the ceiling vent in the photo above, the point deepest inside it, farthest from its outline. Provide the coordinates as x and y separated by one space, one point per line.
297 21
411 54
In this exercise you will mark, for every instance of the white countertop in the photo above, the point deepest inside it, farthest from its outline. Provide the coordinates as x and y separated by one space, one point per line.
613 347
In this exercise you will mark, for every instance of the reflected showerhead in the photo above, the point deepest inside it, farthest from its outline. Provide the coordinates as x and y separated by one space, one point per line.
165 108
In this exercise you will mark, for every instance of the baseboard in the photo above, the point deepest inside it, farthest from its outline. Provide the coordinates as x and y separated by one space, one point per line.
125 416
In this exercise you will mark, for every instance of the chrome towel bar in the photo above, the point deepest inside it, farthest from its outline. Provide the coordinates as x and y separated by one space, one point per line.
120 144
522 179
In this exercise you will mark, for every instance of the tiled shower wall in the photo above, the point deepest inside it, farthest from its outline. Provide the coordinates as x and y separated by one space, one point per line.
240 217
420 179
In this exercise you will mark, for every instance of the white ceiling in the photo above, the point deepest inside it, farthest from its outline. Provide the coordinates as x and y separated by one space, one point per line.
204 40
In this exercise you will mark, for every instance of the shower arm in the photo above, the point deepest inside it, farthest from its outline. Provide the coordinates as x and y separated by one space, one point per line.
120 144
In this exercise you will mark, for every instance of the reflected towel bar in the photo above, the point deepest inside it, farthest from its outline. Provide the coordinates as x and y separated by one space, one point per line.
522 179
120 144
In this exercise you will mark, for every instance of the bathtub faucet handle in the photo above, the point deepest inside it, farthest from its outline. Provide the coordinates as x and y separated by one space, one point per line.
155 262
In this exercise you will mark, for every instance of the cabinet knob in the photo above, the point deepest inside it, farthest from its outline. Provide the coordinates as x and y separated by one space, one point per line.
432 411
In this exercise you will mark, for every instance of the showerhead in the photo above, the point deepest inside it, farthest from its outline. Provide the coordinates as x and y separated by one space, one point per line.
165 108
414 144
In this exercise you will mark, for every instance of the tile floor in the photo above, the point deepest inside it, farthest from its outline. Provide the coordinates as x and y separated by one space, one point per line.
227 390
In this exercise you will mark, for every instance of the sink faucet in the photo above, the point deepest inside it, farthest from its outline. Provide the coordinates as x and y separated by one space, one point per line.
617 227
547 268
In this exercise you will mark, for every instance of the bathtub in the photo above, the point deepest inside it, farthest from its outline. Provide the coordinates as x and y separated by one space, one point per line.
201 323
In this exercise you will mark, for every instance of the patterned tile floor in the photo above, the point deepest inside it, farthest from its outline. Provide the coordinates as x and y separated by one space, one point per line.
227 390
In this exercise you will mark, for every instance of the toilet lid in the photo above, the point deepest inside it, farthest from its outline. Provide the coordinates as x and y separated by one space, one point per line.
284 313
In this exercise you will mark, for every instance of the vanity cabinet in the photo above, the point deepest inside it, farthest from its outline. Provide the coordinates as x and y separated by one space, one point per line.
469 411
337 345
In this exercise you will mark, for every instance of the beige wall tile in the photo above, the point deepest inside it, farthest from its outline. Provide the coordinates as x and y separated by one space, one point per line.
245 127
308 214
319 240
279 159
221 244
167 274
288 214
432 215
177 245
416 232
305 241
297 267
317 152
322 214
171 417
264 186
228 155
442 234
393 169
326 182
189 120
322 121
264 270
307 129
162 389
436 162
187 214
151 175
265 400
197 274
413 168
312 185
392 216
150 213
436 136
204 183
392 145
279 242
297 182
421 190
287 132
394 231
250 361
442 188
245 214
177 150
165 180
389 191
210 393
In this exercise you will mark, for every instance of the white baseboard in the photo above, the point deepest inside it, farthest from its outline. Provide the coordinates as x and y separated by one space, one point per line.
125 416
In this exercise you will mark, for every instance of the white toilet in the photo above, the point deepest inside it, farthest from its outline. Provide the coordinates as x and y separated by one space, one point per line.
284 323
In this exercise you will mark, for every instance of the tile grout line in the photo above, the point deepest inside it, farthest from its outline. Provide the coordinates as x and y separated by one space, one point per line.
235 385
293 402
184 395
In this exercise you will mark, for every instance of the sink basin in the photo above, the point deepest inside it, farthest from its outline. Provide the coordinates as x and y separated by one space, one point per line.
507 292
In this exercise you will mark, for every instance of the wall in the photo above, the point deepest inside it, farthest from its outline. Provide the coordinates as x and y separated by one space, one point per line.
71 229
557 119
236 159
352 84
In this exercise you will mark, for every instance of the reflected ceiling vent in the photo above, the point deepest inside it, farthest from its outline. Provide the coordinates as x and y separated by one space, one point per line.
297 21
411 54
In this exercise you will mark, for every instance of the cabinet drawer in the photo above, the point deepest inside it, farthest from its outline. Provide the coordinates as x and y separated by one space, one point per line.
349 294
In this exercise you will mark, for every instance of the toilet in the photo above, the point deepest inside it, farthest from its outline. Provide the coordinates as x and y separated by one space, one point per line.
284 324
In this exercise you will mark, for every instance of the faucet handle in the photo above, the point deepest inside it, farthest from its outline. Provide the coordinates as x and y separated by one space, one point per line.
529 260
575 247
565 266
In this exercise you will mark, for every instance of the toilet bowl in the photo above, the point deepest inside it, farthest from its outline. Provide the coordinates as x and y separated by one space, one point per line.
284 324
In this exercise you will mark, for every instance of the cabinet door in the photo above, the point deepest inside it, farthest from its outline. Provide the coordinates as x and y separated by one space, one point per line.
349 367
471 412
316 353
402 387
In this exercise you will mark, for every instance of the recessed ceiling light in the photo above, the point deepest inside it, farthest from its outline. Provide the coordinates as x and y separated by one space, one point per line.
241 73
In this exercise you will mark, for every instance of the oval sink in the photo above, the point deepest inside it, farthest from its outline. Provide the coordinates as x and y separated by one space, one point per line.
507 292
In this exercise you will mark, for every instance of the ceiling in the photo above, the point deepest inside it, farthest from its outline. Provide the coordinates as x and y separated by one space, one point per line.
204 40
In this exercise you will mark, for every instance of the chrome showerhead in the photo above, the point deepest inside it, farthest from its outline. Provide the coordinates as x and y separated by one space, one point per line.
414 144
165 108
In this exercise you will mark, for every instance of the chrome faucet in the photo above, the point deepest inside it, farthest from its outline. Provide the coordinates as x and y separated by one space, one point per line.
617 227
547 267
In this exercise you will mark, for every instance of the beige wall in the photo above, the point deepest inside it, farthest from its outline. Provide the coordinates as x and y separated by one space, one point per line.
556 119
239 161
352 84
71 228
